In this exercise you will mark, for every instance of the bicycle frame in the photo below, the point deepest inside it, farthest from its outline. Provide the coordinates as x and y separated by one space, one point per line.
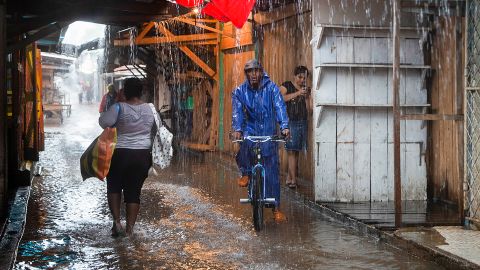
258 166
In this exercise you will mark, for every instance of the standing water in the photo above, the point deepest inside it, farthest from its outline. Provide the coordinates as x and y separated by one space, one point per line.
190 218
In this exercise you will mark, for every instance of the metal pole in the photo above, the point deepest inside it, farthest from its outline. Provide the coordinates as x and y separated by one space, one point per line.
396 113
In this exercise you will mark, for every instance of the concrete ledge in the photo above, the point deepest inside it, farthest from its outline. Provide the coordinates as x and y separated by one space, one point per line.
14 227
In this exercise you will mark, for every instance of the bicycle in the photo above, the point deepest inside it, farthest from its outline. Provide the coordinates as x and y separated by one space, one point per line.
256 184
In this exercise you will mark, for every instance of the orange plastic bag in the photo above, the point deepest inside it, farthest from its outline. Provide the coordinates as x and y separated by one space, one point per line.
95 161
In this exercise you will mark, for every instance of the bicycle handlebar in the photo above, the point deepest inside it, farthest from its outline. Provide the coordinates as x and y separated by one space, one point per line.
262 139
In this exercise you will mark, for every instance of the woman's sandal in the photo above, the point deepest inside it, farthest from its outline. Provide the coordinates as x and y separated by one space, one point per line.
117 230
292 185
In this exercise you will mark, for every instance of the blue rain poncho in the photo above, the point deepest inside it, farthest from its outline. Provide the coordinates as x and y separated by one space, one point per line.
257 111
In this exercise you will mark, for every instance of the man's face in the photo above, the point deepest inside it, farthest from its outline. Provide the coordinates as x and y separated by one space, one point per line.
301 79
254 76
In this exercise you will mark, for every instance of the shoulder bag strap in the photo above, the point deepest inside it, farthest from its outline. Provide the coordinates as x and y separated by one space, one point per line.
155 115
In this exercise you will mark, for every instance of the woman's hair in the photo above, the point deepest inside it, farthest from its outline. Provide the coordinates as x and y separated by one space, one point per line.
300 70
110 87
132 88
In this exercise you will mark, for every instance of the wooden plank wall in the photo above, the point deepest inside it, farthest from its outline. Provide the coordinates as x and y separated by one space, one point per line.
287 45
446 162
202 93
234 76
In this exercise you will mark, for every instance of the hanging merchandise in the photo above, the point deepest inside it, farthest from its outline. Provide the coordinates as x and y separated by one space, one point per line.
189 3
236 11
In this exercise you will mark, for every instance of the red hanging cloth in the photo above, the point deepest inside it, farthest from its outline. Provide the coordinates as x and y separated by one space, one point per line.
236 11
189 3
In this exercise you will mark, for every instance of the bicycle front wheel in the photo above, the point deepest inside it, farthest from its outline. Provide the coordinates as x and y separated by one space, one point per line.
257 203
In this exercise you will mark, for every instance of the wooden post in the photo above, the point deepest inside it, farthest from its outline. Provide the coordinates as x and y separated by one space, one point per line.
396 114
220 82
3 112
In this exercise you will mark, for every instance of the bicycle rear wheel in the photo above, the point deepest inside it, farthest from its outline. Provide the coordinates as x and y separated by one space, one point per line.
257 204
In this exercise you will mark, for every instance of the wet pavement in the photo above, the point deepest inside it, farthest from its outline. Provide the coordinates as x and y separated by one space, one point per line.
455 240
190 218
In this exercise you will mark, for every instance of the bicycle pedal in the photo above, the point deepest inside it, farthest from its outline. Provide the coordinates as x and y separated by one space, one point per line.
245 201
269 200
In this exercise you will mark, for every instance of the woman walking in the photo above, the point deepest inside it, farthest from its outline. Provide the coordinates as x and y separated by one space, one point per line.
132 158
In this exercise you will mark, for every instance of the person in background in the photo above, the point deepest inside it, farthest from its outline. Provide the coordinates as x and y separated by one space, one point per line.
257 106
132 157
108 99
296 94
120 95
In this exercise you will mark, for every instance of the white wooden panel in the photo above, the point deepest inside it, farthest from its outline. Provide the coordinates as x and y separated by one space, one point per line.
414 181
345 90
413 84
327 91
327 52
325 171
403 85
363 87
390 181
390 50
345 172
403 56
414 130
380 185
327 131
413 51
345 49
345 126
361 181
380 52
362 50
362 129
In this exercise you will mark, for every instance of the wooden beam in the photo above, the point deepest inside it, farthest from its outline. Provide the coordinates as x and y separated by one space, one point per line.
396 114
197 60
38 35
459 109
432 117
189 52
199 25
190 74
145 31
228 42
166 39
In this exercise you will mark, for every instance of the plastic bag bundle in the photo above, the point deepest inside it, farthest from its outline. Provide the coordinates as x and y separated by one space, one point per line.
95 161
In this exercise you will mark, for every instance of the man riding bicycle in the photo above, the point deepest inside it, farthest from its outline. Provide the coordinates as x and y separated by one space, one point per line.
257 106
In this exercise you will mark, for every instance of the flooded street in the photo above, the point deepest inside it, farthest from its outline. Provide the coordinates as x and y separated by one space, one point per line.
190 218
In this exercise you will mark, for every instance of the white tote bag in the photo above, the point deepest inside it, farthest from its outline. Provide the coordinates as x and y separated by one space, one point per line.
162 150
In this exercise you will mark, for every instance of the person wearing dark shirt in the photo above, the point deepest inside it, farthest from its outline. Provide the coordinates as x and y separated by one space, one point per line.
296 95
